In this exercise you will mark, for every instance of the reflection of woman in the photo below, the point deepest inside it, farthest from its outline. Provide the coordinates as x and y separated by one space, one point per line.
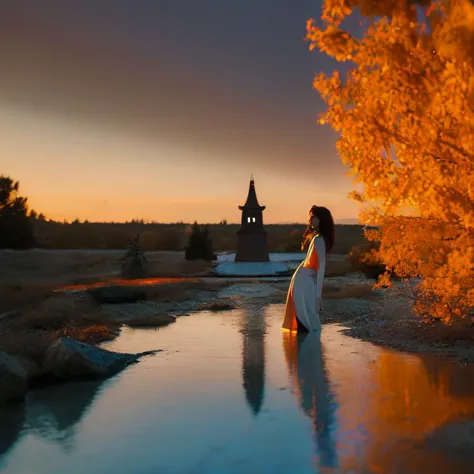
303 353
303 303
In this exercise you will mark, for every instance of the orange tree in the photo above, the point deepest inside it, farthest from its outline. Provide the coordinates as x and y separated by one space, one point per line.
405 113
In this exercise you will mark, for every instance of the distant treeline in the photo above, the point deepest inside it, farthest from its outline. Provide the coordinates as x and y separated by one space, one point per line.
85 235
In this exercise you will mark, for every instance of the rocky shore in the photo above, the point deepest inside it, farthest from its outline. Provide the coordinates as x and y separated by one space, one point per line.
56 340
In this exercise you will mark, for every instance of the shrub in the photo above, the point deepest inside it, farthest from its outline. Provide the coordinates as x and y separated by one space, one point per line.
200 244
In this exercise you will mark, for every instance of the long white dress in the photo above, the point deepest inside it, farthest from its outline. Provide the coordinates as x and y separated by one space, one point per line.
305 290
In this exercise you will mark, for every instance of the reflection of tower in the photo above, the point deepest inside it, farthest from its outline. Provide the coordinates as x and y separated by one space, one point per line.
252 236
253 356
305 361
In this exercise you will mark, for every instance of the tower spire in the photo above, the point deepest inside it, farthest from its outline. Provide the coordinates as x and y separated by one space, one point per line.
252 201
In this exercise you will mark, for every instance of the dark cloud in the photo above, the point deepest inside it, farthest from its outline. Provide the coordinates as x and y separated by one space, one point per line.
232 78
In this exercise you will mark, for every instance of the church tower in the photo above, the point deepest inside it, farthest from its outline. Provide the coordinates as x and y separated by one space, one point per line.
252 237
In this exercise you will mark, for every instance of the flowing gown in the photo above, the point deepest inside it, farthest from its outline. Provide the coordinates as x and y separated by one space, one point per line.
302 302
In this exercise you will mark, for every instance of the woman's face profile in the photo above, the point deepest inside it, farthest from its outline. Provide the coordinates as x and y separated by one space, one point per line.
313 221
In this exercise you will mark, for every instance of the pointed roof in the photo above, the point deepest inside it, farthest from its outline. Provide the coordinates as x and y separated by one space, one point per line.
252 201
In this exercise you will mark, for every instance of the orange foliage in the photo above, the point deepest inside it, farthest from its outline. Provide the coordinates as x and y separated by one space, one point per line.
88 334
405 113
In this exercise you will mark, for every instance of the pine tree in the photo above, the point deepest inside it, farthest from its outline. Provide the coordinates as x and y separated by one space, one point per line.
16 228
200 244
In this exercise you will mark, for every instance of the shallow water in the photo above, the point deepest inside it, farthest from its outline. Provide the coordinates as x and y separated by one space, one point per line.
231 393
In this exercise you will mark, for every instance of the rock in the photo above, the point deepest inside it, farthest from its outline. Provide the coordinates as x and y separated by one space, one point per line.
152 321
117 294
10 315
13 379
216 306
68 359
31 368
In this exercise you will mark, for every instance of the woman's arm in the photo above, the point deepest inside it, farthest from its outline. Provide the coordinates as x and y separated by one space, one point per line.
320 249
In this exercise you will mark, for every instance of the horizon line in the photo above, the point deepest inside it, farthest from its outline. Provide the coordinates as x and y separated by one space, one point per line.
348 221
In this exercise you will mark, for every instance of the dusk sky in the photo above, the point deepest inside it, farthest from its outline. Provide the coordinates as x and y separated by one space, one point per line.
162 109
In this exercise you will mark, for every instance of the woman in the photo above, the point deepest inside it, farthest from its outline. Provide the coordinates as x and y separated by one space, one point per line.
303 303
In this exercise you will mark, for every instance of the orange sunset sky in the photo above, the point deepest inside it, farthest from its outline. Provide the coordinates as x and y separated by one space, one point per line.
161 110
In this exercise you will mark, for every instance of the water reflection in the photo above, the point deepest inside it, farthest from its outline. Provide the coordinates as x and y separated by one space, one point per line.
12 418
54 412
355 407
253 356
305 359
444 374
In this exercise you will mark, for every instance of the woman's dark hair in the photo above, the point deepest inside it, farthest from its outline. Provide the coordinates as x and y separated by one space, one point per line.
326 228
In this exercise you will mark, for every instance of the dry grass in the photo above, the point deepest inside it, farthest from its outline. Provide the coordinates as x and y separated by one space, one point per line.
29 344
90 334
39 267
57 312
15 296
31 268
29 332
27 277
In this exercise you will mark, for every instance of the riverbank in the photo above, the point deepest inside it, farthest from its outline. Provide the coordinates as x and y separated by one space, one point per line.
382 317
57 339
94 314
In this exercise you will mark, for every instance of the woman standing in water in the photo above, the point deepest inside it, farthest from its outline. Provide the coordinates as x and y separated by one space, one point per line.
303 303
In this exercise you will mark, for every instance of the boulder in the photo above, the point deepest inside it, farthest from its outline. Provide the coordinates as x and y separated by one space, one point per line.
32 369
117 294
69 359
216 306
151 321
13 379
